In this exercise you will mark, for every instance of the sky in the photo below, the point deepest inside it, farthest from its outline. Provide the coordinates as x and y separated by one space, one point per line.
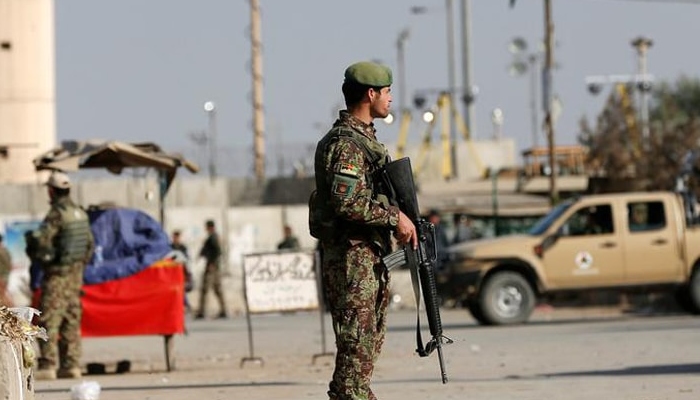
137 70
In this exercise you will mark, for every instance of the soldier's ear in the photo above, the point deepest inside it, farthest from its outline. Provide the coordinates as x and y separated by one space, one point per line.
372 93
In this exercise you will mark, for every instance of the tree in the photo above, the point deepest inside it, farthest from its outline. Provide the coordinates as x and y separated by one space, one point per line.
615 148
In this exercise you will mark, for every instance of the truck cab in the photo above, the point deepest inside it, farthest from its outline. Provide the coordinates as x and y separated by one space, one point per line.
616 241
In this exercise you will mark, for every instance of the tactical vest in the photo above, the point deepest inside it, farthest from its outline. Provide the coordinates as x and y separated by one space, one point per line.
323 224
72 241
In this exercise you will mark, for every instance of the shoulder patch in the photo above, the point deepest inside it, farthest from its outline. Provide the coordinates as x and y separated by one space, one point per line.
343 186
349 169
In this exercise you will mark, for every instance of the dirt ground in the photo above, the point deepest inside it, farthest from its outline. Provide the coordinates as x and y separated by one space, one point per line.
573 353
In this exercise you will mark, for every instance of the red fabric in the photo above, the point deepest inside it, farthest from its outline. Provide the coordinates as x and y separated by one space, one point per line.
150 302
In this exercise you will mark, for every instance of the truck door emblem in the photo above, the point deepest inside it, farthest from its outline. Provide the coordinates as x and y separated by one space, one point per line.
583 260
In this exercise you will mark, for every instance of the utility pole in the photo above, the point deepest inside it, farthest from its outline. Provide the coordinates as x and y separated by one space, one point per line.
401 66
642 45
258 115
527 62
547 99
468 94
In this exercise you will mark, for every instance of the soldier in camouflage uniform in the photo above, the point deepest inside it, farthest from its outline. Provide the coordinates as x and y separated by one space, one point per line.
353 221
64 244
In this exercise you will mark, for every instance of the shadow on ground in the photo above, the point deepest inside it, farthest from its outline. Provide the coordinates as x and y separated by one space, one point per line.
175 387
670 369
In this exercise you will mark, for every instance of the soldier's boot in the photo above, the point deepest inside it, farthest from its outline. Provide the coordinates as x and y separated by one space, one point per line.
70 373
45 374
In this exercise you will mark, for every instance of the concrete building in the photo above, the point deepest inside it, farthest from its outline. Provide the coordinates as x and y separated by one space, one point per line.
27 86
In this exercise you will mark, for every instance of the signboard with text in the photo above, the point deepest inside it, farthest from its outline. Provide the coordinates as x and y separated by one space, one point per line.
284 281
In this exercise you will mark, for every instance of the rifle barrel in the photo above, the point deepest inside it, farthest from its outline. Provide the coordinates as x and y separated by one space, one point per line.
443 373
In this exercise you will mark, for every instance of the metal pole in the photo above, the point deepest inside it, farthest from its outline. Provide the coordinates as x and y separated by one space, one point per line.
452 80
534 117
547 94
401 66
211 131
642 44
494 202
469 111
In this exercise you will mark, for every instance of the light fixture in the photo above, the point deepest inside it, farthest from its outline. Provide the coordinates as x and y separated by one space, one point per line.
389 119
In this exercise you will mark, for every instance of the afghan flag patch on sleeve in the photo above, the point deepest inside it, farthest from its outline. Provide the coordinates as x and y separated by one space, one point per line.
343 186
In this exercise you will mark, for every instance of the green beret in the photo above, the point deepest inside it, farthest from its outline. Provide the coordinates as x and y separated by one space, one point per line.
369 74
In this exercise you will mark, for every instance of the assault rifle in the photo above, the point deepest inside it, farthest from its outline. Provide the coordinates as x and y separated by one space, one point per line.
398 177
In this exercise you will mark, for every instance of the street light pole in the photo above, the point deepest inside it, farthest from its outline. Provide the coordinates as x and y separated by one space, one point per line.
527 62
642 44
547 97
452 83
534 115
210 108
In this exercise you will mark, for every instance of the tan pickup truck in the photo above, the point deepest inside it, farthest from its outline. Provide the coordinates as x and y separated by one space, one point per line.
628 241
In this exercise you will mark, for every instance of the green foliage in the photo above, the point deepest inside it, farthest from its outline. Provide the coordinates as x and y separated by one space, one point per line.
678 102
617 150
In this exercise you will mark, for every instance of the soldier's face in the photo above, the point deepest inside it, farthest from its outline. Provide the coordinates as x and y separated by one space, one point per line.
380 102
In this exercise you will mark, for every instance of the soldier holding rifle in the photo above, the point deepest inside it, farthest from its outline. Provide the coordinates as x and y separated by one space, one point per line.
353 220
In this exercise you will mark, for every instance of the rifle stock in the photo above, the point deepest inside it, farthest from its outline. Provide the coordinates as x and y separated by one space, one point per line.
421 261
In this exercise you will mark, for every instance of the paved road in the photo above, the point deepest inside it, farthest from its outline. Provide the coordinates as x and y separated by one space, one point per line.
561 354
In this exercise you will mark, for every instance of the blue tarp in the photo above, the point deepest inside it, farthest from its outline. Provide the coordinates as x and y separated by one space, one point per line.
126 242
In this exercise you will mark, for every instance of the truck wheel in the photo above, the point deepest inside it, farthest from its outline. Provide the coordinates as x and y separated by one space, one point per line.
682 296
475 310
506 298
694 291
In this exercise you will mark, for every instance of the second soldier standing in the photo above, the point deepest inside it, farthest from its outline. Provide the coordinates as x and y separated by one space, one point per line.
211 278
65 244
353 221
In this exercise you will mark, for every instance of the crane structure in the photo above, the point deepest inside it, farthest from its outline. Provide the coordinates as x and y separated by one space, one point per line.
630 120
445 110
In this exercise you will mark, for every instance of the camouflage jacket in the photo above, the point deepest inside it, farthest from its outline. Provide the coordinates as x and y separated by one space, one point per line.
344 183
62 240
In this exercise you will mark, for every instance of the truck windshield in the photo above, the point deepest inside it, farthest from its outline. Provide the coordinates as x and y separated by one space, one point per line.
545 222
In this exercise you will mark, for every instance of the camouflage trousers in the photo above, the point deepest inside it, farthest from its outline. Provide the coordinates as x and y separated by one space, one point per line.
61 313
211 279
356 285
5 299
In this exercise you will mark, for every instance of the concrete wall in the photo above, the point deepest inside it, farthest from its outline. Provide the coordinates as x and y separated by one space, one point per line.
243 228
474 157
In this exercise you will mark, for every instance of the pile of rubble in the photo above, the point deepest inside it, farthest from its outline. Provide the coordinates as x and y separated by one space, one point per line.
17 354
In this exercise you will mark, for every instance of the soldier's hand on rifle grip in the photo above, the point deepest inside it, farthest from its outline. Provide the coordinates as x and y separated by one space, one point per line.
406 231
